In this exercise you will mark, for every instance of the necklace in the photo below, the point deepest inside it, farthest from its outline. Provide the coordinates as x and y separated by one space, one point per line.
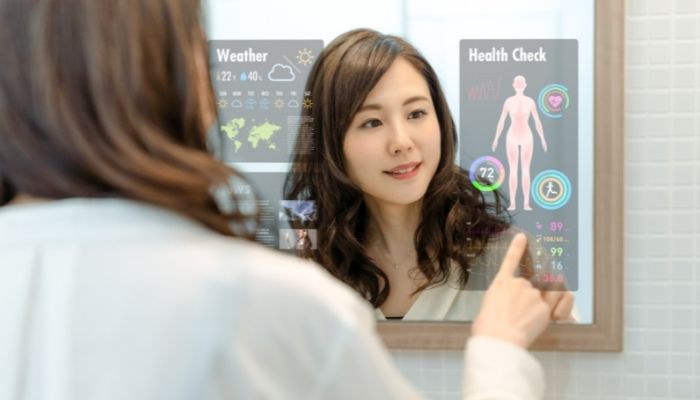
396 265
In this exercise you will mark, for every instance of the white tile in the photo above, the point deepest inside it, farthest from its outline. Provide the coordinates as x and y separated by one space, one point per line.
636 7
657 340
658 78
636 29
588 384
658 224
682 247
657 387
635 224
682 342
635 271
681 318
634 386
635 103
659 54
635 54
636 79
658 126
684 6
683 126
658 248
681 388
659 199
612 385
658 102
683 176
658 318
634 342
683 223
659 8
682 295
684 102
657 364
658 271
659 29
683 53
683 271
684 77
635 317
685 28
684 198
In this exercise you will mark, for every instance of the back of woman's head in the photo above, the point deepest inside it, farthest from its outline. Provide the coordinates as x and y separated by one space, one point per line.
109 98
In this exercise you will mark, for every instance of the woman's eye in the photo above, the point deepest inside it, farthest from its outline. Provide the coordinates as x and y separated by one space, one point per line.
416 114
371 123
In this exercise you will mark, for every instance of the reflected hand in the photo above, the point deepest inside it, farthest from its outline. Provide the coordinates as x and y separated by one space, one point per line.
561 303
512 309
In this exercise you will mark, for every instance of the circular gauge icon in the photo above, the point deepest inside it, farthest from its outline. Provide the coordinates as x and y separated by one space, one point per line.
553 100
551 189
487 173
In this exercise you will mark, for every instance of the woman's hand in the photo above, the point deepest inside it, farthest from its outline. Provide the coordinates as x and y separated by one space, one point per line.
561 302
512 309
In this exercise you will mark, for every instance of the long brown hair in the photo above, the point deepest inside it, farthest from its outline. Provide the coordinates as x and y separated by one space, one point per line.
457 220
111 99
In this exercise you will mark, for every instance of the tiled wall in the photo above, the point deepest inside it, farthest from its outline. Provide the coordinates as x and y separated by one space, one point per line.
661 359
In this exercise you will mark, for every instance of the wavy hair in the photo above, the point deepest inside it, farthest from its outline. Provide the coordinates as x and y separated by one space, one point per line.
457 221
111 99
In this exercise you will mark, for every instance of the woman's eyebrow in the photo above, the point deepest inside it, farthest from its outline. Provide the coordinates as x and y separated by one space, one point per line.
414 99
374 106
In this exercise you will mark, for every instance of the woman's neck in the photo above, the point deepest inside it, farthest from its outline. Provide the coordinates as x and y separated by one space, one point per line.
392 227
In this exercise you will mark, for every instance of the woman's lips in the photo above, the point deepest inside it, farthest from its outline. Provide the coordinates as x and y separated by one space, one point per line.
404 171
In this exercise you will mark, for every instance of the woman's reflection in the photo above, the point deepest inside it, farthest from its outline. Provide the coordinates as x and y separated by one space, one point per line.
397 220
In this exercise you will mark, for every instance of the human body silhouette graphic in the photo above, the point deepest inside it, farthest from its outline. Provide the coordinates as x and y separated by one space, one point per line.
519 139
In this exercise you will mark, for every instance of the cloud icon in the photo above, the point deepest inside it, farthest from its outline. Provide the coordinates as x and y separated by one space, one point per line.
281 73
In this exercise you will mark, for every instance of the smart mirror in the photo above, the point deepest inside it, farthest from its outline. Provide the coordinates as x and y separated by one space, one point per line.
565 58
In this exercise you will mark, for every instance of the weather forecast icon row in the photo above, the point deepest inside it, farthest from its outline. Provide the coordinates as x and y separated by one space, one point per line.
264 103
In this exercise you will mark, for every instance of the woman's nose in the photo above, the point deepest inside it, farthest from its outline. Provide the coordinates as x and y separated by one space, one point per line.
400 139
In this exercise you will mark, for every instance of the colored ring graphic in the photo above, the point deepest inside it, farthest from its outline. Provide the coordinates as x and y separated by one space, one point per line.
497 168
551 189
553 100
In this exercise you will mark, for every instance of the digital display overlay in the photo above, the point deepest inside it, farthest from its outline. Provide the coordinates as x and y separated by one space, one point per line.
259 88
519 135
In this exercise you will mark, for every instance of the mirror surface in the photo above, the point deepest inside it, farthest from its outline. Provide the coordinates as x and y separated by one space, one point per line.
494 60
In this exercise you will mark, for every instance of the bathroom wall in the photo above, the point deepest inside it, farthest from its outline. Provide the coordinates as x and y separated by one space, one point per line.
661 357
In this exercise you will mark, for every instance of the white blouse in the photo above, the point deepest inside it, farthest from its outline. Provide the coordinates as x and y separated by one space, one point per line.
114 299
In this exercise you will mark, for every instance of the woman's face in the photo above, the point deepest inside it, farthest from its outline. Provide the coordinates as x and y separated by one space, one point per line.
392 147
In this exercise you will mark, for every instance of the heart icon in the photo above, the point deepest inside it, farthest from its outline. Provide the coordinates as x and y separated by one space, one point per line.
555 100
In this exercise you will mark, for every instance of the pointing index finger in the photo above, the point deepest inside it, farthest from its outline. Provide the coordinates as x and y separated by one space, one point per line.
512 259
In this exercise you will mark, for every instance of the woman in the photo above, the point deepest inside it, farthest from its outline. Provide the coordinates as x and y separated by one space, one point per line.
121 276
397 220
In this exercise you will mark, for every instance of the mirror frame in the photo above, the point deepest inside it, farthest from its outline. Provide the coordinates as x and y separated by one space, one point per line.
605 333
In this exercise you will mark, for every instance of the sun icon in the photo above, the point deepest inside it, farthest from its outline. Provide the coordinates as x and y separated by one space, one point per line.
279 103
307 103
305 57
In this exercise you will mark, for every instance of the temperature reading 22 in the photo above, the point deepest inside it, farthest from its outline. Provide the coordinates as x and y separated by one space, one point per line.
224 76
